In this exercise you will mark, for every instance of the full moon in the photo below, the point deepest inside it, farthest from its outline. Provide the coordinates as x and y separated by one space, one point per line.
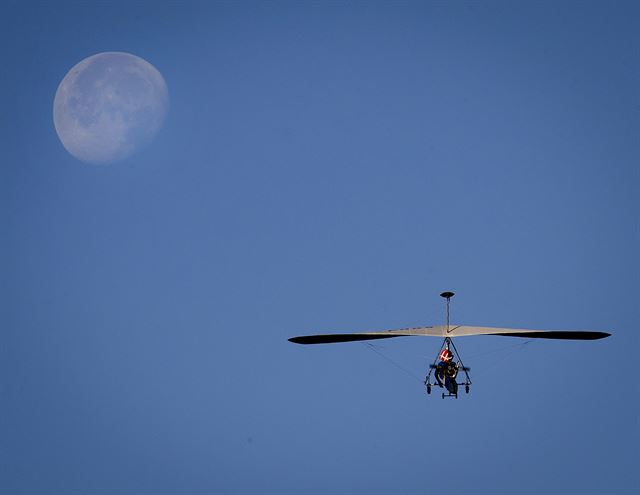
108 106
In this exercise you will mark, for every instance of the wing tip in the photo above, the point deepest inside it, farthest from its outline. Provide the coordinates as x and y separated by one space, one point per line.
558 334
339 338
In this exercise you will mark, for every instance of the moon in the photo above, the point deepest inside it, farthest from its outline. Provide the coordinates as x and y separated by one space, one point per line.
109 106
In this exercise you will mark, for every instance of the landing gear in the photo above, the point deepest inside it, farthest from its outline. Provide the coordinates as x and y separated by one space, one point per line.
428 388
466 388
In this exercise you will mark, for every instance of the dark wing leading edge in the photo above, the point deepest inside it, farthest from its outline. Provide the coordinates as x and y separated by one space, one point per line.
557 334
339 337
452 331
355 337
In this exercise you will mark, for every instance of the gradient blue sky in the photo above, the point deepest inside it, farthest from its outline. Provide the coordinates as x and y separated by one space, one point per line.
324 167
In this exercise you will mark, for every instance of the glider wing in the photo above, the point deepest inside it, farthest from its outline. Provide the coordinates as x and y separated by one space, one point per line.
453 331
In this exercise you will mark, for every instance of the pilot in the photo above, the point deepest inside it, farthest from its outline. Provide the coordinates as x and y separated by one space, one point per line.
446 371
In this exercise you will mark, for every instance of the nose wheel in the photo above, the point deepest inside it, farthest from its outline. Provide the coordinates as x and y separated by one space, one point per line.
449 395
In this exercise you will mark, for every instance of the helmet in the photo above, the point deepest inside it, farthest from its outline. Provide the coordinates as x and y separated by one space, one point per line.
446 355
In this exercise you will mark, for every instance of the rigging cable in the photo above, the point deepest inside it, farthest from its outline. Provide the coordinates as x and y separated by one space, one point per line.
512 347
397 365
495 363
493 351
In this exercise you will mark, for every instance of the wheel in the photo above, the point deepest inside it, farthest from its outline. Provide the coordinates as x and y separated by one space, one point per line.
429 388
466 388
443 395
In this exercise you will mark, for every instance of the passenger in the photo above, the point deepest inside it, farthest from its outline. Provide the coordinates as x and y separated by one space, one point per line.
446 372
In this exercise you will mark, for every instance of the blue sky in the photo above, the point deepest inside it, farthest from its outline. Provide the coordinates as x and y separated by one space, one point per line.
324 167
